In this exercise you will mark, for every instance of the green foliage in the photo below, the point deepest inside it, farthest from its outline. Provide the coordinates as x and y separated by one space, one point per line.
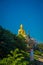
12 49
40 46
9 41
16 59
37 52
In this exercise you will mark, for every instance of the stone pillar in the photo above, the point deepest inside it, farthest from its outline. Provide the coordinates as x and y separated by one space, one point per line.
31 55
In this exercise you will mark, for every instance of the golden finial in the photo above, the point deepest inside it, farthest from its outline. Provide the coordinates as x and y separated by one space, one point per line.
21 26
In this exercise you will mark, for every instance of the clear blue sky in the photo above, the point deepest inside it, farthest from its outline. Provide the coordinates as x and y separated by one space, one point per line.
26 12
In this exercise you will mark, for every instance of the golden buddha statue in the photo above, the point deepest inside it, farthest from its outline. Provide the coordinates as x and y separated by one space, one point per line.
21 31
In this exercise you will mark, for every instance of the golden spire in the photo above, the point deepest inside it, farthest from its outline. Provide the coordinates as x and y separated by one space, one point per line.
21 26
21 31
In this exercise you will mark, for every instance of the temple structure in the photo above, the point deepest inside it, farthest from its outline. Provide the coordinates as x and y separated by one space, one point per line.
21 31
30 41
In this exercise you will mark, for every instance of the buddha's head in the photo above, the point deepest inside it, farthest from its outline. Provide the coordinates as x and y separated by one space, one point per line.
21 26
